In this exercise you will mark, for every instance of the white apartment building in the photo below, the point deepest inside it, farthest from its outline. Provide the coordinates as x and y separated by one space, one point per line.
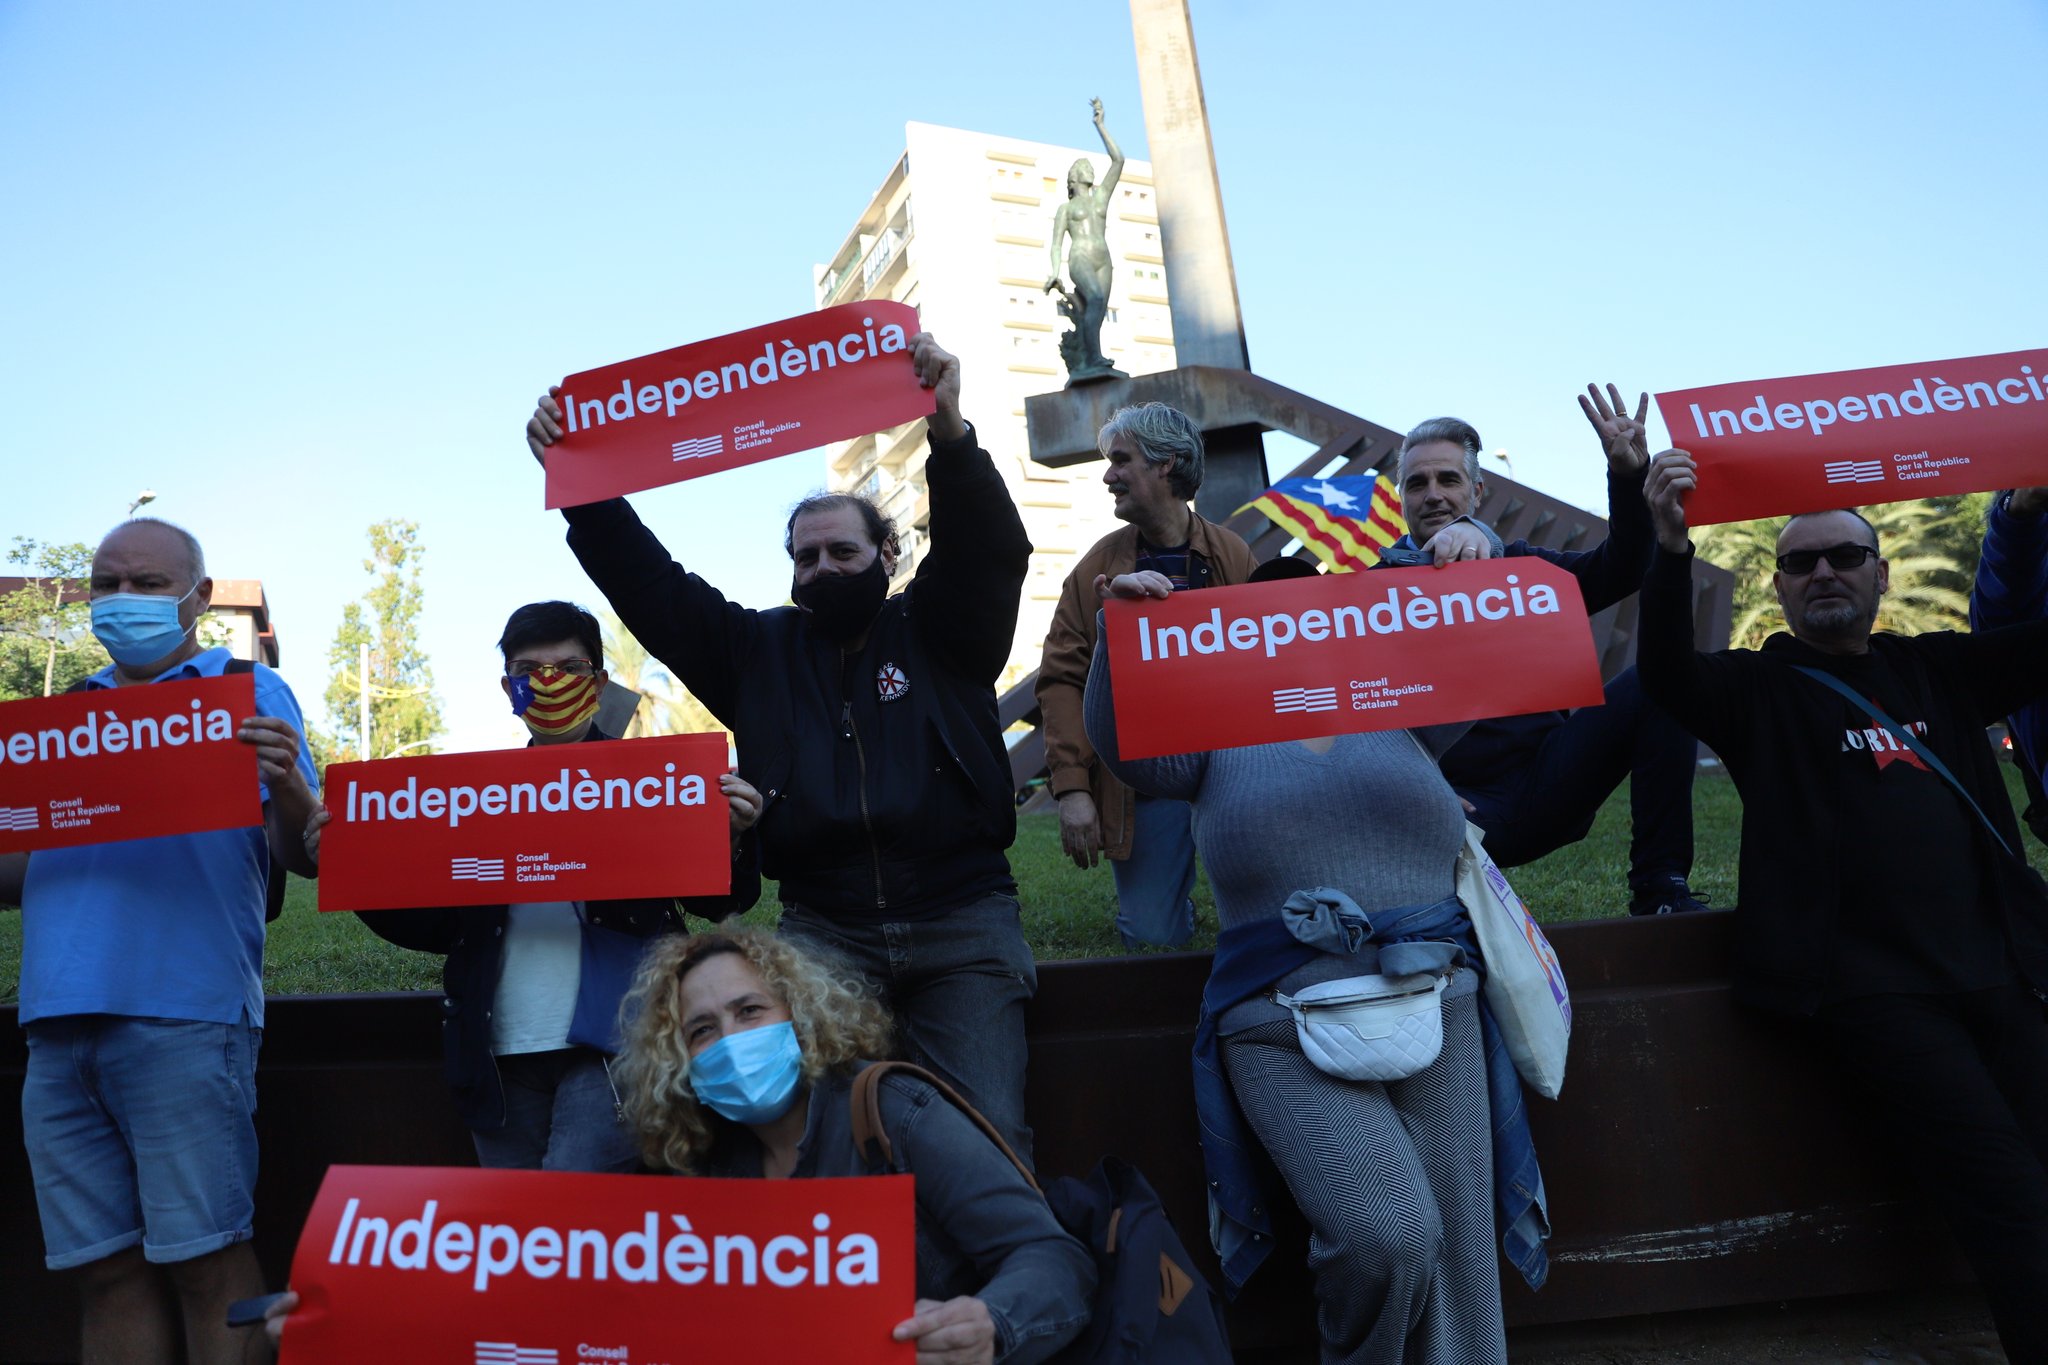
961 230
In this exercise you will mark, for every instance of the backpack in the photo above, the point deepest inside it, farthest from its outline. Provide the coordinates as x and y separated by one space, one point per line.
1151 1306
273 876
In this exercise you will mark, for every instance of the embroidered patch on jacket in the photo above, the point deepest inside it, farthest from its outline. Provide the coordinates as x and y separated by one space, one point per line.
890 684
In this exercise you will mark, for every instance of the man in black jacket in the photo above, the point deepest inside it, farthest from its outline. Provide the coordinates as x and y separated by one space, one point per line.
1880 898
869 724
529 1015
1535 782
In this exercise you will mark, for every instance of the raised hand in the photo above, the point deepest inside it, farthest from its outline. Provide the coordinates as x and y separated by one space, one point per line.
544 428
939 370
1672 476
1625 439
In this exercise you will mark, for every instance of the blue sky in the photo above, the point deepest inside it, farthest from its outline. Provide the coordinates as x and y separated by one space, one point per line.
299 268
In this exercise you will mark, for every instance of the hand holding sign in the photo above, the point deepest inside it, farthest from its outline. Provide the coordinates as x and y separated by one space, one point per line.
135 762
1822 441
734 400
939 371
1342 653
1673 475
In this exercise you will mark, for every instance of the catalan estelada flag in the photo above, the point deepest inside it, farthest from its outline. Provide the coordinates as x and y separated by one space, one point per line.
1346 522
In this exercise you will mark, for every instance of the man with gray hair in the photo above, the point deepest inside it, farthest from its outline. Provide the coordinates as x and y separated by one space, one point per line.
1534 783
142 998
1155 468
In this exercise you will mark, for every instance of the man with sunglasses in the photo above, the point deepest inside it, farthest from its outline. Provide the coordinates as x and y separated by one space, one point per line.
529 1021
1881 899
2012 587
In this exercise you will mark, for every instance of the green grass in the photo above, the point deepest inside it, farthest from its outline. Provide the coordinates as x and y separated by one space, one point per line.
1067 912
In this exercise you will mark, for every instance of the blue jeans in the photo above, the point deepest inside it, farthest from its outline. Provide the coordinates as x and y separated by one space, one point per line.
1155 885
957 985
561 1114
140 1130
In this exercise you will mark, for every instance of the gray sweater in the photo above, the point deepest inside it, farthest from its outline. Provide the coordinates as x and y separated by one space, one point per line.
980 1229
1371 817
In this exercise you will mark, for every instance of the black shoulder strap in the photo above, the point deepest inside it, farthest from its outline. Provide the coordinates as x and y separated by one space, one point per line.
1905 737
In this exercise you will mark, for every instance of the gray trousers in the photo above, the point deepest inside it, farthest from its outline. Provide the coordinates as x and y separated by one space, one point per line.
1396 1182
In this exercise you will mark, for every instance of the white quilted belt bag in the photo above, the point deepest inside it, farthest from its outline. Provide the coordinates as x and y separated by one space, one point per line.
1370 1028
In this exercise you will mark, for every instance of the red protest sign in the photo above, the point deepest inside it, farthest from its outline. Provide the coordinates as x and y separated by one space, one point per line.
1343 653
1820 441
127 763
553 1268
569 822
713 405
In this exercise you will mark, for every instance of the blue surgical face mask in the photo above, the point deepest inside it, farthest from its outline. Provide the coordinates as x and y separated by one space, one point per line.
750 1077
139 628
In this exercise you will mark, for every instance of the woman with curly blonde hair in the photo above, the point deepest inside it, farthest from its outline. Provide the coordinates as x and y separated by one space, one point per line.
739 1058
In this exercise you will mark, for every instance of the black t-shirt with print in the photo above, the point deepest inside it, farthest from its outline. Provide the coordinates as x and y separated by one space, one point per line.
1915 913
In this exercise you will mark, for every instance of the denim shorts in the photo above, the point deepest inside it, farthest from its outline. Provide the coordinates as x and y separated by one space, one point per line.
140 1131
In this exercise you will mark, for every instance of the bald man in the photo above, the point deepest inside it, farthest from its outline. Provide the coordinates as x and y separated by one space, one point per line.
142 996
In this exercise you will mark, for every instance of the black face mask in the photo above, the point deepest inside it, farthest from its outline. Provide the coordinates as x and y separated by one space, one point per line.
841 606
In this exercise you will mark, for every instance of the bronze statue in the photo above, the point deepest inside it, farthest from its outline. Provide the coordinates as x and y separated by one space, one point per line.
1085 218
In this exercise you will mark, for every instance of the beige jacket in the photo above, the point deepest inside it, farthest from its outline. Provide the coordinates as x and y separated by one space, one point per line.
1070 644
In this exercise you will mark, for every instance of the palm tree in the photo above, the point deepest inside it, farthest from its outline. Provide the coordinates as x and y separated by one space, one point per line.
666 706
1931 546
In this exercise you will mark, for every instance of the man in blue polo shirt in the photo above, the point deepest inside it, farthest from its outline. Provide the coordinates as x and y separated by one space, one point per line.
142 996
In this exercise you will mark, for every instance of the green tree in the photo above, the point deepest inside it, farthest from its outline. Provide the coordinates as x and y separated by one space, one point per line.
46 640
666 706
1931 545
404 712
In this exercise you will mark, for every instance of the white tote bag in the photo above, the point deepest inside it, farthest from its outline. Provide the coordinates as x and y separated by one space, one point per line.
1524 984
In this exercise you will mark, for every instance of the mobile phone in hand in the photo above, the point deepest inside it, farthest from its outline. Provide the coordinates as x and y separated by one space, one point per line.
250 1312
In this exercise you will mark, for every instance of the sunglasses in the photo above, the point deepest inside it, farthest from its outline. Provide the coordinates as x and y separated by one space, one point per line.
1840 558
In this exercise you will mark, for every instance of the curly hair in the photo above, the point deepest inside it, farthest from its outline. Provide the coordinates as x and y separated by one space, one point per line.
838 1022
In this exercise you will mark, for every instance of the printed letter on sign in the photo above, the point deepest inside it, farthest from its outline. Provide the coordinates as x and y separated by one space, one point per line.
559 822
127 763
439 1263
1349 652
712 405
1821 441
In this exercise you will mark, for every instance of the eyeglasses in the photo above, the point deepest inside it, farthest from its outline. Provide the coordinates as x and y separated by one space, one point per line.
526 668
1840 558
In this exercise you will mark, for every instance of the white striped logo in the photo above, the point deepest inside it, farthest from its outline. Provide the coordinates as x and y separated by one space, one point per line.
1288 700
476 869
1855 471
15 819
507 1353
699 448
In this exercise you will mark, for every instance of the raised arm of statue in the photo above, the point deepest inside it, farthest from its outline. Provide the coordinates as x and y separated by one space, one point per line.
1116 157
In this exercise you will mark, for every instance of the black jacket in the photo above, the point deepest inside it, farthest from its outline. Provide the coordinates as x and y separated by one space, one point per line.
472 937
1781 736
884 775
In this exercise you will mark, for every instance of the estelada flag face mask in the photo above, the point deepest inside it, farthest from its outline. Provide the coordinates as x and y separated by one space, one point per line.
553 703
